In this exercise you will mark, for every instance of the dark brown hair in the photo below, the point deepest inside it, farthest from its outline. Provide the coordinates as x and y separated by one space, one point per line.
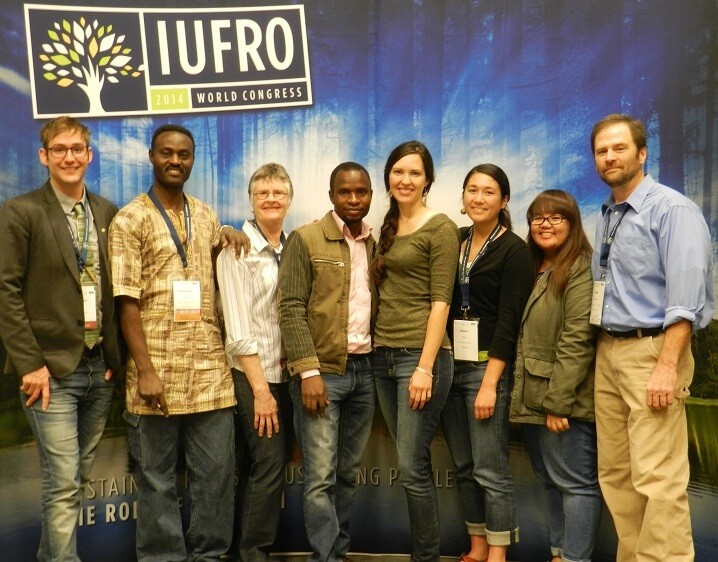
391 219
558 202
638 131
500 177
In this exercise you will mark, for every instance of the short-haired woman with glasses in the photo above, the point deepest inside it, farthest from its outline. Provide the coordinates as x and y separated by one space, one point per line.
248 287
553 386
493 283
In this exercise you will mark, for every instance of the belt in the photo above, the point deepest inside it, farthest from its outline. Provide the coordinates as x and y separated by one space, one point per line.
358 356
635 333
92 352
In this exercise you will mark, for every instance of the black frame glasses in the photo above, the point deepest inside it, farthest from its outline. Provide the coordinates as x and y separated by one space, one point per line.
553 220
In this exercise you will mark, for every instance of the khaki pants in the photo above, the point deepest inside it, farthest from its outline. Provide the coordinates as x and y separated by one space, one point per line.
643 454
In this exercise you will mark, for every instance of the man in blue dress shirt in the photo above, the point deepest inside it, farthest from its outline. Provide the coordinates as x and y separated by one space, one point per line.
653 287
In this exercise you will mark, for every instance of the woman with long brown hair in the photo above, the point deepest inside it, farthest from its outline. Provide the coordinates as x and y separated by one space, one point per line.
415 269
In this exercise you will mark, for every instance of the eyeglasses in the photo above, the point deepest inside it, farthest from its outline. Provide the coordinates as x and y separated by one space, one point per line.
552 220
59 151
264 194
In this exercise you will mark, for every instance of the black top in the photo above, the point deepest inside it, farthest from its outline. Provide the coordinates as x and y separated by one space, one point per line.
499 286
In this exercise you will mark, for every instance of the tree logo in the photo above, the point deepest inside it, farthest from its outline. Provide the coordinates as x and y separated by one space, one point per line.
85 55
86 62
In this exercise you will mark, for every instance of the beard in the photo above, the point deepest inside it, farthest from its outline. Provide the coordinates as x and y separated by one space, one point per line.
619 177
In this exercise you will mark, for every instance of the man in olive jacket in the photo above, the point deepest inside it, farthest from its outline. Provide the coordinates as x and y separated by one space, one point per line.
326 309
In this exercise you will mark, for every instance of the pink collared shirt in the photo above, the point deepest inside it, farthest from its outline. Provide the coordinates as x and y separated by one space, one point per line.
359 324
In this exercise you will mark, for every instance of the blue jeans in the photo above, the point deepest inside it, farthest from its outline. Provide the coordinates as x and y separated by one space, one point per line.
332 447
480 451
208 440
259 490
67 434
566 464
413 431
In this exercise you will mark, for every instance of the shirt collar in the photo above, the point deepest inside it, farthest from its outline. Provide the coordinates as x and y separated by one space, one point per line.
67 202
257 240
363 235
635 200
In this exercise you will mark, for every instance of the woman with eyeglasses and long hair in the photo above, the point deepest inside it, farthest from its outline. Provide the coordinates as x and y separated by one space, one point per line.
414 271
492 286
553 387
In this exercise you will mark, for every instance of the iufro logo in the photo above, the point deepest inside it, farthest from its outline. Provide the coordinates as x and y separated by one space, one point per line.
85 64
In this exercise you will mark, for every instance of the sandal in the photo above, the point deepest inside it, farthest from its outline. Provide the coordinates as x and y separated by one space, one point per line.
466 558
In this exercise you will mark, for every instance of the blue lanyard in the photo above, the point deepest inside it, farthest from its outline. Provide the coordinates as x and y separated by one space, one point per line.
465 266
608 238
171 227
81 251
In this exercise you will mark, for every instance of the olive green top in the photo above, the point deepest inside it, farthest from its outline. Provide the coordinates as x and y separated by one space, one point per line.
420 268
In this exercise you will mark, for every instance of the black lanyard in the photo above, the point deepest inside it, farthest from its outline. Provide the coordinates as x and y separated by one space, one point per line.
171 227
465 266
608 238
282 240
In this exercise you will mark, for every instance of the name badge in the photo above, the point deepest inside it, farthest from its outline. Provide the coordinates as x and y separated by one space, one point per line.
187 300
599 291
466 340
89 306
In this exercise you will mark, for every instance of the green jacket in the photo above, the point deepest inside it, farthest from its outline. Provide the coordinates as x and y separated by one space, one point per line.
313 290
554 368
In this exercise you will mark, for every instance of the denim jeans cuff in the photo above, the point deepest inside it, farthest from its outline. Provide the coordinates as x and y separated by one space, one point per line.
564 559
502 538
476 529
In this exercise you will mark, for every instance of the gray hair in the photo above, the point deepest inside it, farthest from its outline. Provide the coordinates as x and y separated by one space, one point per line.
271 171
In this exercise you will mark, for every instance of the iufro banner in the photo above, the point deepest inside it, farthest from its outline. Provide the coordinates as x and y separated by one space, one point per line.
87 61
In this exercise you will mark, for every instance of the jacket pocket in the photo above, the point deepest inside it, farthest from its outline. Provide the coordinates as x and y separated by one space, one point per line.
537 376
328 279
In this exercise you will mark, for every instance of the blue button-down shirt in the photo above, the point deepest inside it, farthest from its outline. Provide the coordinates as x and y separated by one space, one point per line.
660 266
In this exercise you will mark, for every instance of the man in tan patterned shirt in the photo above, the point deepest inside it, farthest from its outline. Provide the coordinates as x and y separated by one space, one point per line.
180 393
